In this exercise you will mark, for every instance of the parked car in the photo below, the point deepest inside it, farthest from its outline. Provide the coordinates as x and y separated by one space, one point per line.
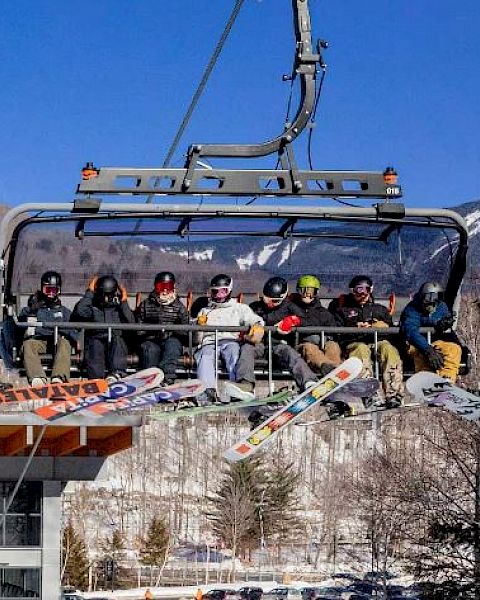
221 594
250 593
283 593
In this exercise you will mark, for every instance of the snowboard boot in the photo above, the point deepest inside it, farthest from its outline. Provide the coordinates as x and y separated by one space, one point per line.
393 402
241 390
207 398
256 418
38 381
338 409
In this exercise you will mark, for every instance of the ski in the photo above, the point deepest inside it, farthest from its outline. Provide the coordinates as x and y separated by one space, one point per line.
434 390
169 394
252 442
194 411
128 386
72 389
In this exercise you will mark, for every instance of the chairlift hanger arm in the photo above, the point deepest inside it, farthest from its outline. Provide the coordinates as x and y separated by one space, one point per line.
305 66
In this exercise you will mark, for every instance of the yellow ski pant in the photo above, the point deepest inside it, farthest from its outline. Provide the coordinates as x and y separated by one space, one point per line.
451 352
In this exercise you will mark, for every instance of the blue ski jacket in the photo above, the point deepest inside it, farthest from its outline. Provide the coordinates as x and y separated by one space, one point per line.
413 317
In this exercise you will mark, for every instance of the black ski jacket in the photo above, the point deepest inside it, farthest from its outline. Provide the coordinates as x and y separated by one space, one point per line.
313 315
46 312
348 313
153 312
86 310
272 316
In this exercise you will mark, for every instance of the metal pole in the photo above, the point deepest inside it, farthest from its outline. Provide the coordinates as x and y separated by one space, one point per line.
270 362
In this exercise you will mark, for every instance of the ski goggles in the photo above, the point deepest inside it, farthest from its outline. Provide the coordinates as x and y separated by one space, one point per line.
220 293
432 297
362 289
270 302
308 291
51 290
164 287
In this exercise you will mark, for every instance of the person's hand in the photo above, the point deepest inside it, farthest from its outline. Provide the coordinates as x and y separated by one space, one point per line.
363 324
444 324
255 334
434 358
286 325
123 293
34 302
92 283
202 319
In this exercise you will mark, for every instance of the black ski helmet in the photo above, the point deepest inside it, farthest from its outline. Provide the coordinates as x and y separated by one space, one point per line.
164 277
51 278
107 290
51 285
275 287
359 279
221 288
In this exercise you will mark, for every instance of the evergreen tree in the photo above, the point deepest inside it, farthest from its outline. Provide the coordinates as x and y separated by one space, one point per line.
234 507
114 548
154 547
278 510
74 559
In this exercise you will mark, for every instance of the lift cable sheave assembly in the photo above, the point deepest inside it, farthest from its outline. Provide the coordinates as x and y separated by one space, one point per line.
289 180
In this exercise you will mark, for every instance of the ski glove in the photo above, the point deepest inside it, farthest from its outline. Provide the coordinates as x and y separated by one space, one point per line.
444 324
255 334
123 292
34 302
91 283
286 325
434 358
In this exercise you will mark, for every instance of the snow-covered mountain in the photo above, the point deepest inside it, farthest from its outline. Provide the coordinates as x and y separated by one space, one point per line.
398 262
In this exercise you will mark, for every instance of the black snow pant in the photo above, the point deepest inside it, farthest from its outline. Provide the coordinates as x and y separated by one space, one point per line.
284 355
103 358
163 354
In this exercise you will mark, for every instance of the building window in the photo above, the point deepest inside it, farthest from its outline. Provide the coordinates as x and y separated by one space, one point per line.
23 522
19 583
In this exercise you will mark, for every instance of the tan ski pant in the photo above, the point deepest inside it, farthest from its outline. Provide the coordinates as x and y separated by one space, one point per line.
32 349
452 355
390 365
315 357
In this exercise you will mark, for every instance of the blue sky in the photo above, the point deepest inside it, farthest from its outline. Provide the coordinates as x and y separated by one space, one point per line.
109 81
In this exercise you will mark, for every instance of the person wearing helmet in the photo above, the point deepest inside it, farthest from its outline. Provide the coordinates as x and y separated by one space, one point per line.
321 360
359 309
162 307
45 306
276 309
222 309
105 301
428 309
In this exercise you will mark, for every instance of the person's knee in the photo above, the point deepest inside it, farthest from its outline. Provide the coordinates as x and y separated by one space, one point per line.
388 353
360 350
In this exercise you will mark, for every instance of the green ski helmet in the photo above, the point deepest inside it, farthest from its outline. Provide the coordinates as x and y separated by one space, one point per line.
308 286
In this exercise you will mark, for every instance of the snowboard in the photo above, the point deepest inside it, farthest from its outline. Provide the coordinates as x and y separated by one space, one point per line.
72 389
194 411
434 390
169 394
128 386
298 407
